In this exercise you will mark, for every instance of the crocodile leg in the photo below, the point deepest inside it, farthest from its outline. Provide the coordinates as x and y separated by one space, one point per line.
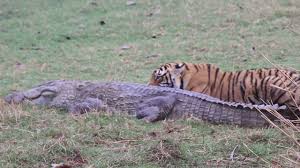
155 109
86 105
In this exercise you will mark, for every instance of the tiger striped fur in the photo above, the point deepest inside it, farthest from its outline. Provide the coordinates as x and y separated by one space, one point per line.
256 86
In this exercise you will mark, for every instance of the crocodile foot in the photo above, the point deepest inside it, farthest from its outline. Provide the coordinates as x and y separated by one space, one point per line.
155 109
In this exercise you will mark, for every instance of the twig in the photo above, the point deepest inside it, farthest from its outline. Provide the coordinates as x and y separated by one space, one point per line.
279 67
294 162
287 76
256 154
284 120
232 153
276 126
293 31
31 48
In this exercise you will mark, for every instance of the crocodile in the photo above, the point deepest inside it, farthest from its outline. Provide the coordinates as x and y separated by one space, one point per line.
151 103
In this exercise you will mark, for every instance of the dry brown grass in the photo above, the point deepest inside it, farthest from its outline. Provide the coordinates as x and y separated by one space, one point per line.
290 129
10 112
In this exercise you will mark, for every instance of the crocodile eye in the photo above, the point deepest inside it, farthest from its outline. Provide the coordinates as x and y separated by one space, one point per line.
48 94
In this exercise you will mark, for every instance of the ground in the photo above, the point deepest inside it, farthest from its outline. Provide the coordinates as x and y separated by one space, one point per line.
115 40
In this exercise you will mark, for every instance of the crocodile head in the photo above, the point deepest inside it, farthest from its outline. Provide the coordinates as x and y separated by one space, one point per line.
54 93
38 95
58 93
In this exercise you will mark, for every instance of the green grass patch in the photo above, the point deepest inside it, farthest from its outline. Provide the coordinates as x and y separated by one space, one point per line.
78 39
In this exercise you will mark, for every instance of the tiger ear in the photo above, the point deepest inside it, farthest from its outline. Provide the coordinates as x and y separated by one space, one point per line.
179 65
179 68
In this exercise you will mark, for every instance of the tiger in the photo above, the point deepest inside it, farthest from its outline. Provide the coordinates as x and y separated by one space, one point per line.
254 86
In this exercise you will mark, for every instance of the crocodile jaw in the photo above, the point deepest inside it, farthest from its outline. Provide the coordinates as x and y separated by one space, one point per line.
42 95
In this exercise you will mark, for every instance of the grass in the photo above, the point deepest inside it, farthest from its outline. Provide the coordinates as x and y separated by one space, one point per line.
108 40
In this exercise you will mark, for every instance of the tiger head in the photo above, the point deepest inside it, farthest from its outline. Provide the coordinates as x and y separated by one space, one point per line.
168 75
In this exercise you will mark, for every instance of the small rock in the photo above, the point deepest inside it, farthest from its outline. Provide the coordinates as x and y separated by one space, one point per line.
154 11
130 3
68 37
152 134
18 63
149 14
156 35
102 22
125 47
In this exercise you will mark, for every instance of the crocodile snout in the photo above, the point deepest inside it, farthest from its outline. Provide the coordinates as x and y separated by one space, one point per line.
15 97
